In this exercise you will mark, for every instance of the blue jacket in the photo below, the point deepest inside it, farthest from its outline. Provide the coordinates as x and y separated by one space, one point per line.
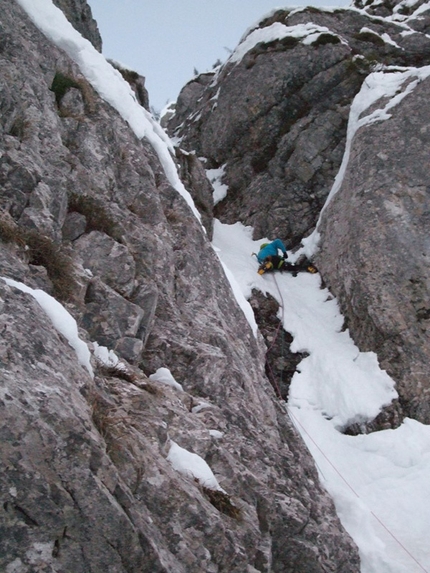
271 250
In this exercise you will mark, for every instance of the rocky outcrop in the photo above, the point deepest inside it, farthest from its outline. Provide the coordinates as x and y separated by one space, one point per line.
136 82
375 247
89 217
276 112
281 364
79 14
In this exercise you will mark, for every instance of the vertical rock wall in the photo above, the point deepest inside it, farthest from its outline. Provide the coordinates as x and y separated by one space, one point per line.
375 246
85 485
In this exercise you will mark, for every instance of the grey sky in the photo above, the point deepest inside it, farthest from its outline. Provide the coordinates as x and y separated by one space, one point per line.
165 40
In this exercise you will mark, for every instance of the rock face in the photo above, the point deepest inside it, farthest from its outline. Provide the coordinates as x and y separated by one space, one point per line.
89 217
275 115
377 263
79 14
136 81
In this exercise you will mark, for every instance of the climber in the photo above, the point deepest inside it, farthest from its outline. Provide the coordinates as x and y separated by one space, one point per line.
270 260
272 250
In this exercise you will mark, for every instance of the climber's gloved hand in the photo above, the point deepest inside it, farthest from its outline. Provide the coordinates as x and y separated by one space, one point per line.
285 257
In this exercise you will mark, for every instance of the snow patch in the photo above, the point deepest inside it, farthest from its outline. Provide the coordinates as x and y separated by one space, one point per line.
107 357
192 465
216 434
200 407
276 31
62 320
220 189
164 376
240 299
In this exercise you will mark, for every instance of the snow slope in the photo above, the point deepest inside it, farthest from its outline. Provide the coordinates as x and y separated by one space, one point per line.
379 482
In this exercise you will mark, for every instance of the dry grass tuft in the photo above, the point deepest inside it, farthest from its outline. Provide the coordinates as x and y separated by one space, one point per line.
117 371
60 84
20 127
222 502
42 250
10 232
151 389
110 424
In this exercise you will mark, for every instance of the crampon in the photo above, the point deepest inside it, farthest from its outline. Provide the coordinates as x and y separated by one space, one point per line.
303 266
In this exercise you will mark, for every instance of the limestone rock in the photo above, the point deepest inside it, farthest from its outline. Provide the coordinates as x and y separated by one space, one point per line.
195 180
108 316
277 117
74 226
375 246
107 259
85 481
136 81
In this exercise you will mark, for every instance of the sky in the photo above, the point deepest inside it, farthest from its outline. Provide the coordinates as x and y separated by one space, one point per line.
166 40
379 481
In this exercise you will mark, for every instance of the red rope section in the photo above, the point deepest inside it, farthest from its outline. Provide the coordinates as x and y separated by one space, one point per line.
278 392
290 413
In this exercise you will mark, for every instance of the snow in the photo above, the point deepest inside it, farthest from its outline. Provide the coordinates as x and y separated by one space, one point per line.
216 434
276 31
192 465
200 407
107 357
420 10
220 189
240 299
387 87
379 482
385 37
108 83
62 320
164 376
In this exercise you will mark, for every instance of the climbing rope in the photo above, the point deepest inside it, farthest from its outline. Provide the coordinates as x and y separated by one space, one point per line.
296 423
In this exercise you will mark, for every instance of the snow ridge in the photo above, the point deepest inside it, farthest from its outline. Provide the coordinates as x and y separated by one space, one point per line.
108 83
